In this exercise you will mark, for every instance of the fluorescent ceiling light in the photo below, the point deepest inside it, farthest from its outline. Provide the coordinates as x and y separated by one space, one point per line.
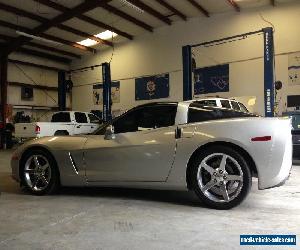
131 5
37 38
105 35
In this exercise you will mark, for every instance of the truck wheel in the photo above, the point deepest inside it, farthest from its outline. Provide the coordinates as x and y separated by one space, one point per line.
220 177
61 132
39 172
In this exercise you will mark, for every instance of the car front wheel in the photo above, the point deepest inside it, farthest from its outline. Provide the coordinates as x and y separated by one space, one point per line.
221 177
39 172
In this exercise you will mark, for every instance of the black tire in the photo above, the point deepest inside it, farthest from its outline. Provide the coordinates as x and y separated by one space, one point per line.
54 182
61 132
203 196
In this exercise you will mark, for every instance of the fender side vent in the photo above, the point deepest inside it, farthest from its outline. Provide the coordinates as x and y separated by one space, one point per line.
73 163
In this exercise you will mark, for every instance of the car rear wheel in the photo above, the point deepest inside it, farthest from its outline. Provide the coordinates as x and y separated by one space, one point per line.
220 177
39 173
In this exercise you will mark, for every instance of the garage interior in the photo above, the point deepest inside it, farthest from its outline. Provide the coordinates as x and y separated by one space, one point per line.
97 56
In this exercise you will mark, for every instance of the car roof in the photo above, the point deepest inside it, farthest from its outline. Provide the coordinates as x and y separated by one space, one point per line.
210 98
157 103
186 102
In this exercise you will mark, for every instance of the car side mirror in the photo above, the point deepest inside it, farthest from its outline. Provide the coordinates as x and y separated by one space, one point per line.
109 133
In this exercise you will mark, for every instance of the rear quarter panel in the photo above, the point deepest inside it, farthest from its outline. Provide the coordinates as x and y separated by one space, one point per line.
268 155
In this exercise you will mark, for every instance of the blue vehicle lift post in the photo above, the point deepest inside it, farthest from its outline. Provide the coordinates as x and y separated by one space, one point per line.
269 94
268 66
62 90
107 102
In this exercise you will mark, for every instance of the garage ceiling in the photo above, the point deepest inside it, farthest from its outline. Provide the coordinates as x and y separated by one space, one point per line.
66 22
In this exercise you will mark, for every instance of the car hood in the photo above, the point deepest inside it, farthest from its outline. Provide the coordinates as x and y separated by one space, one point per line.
54 143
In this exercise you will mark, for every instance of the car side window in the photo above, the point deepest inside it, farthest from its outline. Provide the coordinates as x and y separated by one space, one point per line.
165 115
199 114
80 117
127 122
145 118
211 103
61 117
93 118
235 105
225 104
243 108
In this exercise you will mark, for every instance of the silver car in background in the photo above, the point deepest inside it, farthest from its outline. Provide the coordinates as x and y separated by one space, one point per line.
181 146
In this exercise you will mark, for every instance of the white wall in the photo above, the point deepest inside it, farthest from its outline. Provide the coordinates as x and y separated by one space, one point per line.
160 52
33 75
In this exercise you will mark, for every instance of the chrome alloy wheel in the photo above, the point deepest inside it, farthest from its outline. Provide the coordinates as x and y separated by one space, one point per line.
37 172
220 177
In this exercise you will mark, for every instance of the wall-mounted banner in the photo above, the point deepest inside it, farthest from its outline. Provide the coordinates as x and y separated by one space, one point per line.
211 79
98 92
294 68
152 87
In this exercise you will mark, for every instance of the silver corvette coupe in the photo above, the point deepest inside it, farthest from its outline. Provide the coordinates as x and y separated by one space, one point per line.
181 146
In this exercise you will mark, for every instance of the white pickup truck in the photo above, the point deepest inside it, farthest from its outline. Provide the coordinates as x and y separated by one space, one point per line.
62 123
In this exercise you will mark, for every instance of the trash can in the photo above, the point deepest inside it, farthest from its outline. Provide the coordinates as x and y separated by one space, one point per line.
8 140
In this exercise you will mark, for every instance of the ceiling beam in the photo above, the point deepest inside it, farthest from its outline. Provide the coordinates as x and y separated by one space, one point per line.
171 8
44 55
43 47
151 11
35 65
22 40
234 5
79 9
85 18
35 86
127 17
59 51
199 7
40 19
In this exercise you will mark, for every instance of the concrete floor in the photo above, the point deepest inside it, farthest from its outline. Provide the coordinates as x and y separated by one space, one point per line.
139 219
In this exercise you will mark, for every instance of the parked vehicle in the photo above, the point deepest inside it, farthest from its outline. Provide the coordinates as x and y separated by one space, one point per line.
62 123
223 103
182 146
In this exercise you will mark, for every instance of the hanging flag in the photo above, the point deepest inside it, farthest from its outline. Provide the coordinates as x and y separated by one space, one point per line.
98 92
211 79
152 87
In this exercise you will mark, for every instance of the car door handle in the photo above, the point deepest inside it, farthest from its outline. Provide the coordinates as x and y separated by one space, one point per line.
178 132
78 126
